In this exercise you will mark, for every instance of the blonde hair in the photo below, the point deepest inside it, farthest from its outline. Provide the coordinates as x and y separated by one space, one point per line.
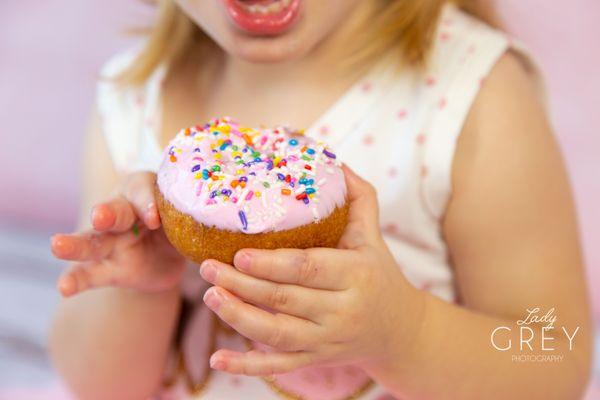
407 24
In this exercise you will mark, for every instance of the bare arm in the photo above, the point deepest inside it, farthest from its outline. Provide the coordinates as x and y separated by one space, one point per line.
512 234
110 342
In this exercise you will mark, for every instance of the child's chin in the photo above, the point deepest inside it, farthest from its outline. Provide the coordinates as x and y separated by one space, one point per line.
276 49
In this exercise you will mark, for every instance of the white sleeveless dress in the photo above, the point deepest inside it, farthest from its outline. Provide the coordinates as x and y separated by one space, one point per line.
396 129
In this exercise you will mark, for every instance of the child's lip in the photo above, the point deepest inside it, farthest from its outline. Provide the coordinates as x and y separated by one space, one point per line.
263 17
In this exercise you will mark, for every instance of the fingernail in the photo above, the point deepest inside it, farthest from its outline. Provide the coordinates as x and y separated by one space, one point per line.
242 260
151 215
93 213
67 286
101 217
208 271
151 208
217 362
62 246
213 299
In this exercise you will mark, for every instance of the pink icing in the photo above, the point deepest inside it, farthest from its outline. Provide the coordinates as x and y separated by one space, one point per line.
250 180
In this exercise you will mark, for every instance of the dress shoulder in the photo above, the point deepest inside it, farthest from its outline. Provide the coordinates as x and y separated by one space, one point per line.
121 110
465 52
110 92
131 114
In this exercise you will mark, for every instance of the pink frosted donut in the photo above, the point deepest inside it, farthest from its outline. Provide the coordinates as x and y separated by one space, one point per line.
223 186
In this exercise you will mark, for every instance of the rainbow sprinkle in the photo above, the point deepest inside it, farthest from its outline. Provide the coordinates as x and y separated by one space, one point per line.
243 220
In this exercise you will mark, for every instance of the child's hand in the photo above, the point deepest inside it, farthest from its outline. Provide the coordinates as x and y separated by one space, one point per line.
125 248
333 305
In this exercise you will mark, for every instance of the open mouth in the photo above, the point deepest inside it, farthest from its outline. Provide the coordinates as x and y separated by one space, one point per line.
263 17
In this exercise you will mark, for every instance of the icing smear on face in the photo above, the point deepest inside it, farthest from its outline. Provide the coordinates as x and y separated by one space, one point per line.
250 180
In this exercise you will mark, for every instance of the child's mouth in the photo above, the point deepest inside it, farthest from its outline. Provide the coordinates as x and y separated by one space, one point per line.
263 17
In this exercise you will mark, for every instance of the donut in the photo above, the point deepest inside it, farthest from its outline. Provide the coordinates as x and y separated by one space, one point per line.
222 187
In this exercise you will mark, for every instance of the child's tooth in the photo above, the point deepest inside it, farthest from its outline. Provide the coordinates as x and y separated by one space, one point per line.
275 7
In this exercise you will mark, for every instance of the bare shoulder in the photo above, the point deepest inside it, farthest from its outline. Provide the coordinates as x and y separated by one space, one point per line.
511 67
510 98
512 78
507 132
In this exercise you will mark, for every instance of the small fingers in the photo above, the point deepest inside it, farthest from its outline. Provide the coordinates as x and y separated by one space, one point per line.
281 331
116 215
84 276
318 268
290 299
82 246
258 363
139 191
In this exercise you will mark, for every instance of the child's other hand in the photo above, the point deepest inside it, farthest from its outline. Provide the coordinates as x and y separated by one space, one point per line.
126 247
345 305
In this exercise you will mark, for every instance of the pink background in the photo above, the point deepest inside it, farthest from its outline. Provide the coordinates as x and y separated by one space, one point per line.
51 51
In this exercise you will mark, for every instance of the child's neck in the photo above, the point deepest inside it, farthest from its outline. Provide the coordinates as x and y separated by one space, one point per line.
295 92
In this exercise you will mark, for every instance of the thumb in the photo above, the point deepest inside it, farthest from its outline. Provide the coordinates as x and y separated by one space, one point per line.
138 189
363 216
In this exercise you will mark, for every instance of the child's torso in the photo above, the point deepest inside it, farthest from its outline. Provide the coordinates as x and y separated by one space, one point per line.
396 128
291 98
